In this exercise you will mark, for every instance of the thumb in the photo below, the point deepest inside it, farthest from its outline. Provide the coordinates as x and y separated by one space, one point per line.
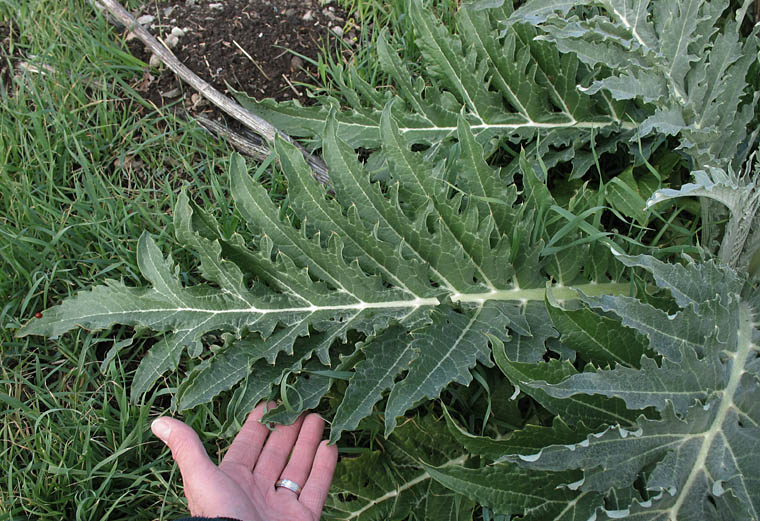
187 449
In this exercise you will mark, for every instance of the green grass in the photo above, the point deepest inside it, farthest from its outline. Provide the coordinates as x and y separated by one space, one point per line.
84 170
86 166
371 16
72 445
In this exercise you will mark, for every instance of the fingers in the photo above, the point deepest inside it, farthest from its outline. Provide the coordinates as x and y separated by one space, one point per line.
187 450
275 453
317 486
290 452
246 447
300 462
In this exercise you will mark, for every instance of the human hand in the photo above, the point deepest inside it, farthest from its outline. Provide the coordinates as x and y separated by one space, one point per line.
243 485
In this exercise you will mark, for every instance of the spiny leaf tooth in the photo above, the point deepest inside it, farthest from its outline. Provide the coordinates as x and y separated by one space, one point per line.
213 376
679 385
667 334
688 283
162 357
386 357
449 347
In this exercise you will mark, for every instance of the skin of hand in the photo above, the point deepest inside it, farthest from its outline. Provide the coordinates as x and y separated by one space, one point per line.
242 485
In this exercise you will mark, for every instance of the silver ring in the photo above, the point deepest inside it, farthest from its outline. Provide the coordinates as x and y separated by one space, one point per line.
288 484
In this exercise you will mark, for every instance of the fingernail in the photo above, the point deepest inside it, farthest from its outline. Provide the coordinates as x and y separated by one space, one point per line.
161 429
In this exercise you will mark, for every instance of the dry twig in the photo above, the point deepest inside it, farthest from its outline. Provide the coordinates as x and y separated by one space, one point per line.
242 144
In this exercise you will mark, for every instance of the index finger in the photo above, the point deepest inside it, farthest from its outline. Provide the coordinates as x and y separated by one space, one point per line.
246 447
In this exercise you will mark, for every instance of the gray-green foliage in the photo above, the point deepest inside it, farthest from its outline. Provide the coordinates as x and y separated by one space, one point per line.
683 61
427 274
669 435
739 194
506 87
689 452
690 71
582 76
402 283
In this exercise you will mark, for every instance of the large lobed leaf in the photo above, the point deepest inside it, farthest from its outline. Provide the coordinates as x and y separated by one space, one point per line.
429 284
690 452
394 483
507 85
691 72
568 80
740 195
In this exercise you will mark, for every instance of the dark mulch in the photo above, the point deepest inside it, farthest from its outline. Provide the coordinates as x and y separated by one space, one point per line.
261 47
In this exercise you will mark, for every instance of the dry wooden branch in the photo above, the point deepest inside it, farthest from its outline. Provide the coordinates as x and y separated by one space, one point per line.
242 144
260 126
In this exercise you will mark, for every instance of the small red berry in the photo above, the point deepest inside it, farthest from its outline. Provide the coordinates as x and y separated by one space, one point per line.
38 315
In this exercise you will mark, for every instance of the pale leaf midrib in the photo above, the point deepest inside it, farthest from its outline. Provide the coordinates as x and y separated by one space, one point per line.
624 20
519 295
740 359
415 303
678 90
560 292
585 125
528 124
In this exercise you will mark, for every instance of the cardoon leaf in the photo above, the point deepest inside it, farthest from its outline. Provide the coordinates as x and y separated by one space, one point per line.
359 492
536 92
670 335
538 11
303 395
523 441
534 329
441 503
507 488
215 375
422 267
592 410
385 358
164 356
697 460
739 193
669 54
711 279
448 348
441 267
595 337
680 384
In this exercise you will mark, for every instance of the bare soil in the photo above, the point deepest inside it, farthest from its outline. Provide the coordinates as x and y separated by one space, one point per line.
260 47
